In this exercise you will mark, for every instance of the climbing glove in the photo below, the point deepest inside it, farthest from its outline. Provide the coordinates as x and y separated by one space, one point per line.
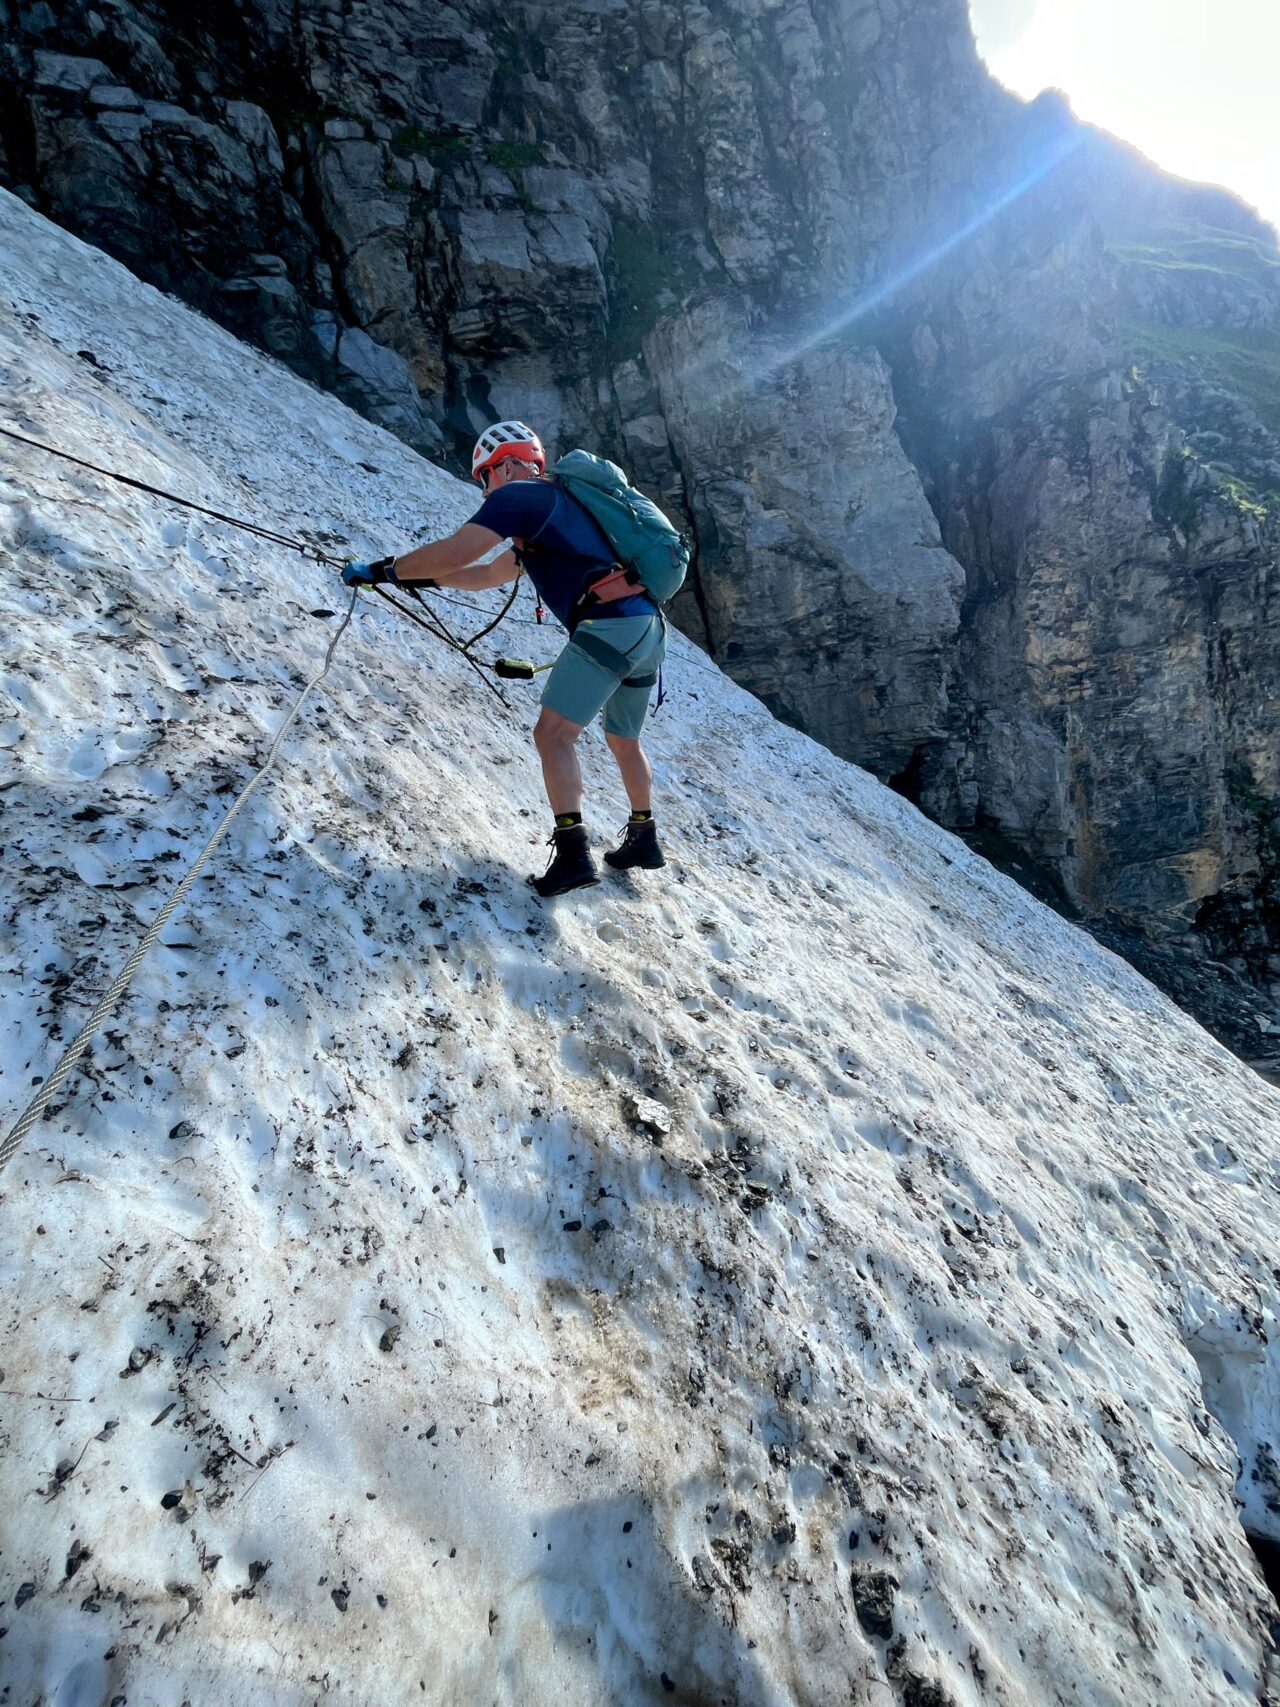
370 574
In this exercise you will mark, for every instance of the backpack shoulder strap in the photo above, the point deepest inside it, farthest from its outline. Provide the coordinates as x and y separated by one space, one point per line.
546 521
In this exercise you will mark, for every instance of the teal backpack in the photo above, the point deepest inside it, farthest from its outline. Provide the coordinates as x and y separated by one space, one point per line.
645 541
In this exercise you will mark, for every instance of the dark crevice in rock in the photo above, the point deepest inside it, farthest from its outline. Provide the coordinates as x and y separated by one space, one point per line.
909 781
18 163
1242 925
691 610
1230 1351
1267 1553
1037 877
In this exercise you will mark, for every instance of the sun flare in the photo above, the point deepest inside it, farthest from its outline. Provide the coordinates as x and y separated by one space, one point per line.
1191 85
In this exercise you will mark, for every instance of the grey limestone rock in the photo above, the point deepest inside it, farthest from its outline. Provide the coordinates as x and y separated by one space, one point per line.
112 97
254 128
382 383
819 543
68 72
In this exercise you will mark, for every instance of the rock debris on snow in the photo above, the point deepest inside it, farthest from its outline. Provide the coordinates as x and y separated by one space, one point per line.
931 1357
648 1113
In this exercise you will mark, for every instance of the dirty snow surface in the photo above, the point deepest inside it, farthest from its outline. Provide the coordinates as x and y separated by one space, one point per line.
811 1274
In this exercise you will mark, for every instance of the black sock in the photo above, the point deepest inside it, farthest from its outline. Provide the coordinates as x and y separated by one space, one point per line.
567 820
641 817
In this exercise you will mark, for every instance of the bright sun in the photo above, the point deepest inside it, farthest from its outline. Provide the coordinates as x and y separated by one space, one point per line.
1192 83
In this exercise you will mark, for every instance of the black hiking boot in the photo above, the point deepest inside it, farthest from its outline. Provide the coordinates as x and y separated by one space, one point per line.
572 866
640 847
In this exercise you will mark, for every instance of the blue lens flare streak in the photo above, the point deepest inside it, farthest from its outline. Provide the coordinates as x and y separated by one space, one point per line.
871 300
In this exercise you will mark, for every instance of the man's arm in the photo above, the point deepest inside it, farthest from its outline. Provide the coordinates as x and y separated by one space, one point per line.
452 562
477 576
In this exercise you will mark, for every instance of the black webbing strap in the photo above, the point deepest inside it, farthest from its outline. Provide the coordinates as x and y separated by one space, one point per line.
617 663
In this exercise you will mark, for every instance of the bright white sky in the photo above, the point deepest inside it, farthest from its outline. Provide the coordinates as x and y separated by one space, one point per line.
1192 83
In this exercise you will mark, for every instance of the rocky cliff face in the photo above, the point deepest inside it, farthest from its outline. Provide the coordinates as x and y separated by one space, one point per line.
1090 399
967 408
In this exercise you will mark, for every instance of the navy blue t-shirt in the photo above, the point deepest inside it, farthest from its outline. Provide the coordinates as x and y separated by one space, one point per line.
563 546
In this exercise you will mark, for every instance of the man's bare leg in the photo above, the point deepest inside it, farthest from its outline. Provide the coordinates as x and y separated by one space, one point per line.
634 768
554 737
640 845
572 866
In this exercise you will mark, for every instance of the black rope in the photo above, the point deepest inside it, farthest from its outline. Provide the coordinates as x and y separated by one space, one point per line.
444 599
435 626
466 645
184 503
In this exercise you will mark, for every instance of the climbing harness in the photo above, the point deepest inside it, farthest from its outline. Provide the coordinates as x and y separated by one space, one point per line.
35 1109
595 646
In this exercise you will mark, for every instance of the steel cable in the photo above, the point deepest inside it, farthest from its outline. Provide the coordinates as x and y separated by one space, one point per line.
35 1109
268 534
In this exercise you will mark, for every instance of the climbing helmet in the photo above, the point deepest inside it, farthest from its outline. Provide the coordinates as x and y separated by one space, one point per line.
506 439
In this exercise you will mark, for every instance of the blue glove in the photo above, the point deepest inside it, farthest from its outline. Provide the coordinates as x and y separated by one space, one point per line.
370 574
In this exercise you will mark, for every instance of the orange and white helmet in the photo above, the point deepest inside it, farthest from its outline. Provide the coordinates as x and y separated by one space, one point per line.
507 439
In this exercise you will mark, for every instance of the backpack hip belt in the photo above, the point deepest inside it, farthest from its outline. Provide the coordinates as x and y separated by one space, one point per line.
618 582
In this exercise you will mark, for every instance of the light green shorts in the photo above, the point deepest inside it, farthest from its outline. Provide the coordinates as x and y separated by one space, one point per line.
610 665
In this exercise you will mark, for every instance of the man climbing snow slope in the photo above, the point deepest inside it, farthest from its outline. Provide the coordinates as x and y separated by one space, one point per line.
617 634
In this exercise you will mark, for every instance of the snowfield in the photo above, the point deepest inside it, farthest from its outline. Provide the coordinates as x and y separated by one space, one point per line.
370 1336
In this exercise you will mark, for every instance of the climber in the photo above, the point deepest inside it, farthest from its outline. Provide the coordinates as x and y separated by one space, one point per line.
610 662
